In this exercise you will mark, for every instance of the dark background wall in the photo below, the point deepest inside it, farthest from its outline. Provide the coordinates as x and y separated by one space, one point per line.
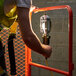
59 36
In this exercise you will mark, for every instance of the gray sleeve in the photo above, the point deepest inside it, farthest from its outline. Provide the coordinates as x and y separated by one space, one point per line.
24 3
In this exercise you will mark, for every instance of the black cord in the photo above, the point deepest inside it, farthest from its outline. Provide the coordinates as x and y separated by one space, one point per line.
2 58
11 54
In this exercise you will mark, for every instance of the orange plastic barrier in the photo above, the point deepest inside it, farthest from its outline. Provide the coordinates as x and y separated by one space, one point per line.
29 63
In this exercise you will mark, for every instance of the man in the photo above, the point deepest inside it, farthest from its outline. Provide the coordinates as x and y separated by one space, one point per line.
29 37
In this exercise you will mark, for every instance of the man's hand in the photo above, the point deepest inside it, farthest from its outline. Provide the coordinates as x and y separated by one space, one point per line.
47 50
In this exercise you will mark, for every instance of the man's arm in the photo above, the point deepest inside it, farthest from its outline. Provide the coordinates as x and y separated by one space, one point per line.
28 36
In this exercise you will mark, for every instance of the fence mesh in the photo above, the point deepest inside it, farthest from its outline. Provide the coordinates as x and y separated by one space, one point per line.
19 49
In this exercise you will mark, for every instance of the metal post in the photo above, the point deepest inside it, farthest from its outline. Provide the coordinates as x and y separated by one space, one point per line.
28 52
27 61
